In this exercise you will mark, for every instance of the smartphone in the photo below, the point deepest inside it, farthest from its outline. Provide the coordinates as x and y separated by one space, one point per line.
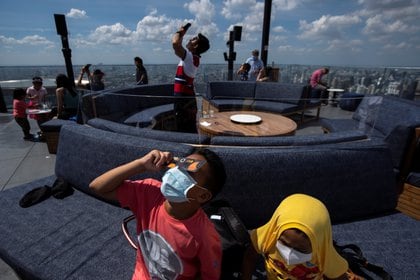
185 27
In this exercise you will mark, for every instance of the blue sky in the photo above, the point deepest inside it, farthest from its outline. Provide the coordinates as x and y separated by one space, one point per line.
310 32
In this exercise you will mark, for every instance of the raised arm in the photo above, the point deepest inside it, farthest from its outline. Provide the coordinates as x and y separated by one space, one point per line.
177 43
107 184
59 93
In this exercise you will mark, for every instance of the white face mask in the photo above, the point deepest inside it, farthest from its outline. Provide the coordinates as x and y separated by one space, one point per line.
175 185
291 256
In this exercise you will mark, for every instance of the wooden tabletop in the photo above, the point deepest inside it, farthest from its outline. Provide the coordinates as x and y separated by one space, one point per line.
270 125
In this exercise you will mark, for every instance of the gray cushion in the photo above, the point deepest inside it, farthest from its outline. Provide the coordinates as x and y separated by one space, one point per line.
55 125
274 106
77 237
172 136
228 89
298 140
336 175
414 179
336 125
283 92
232 104
149 115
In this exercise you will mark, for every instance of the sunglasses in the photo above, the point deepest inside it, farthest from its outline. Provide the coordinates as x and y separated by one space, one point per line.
188 164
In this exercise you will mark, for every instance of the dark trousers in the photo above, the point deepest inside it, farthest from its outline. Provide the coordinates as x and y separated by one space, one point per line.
185 114
24 124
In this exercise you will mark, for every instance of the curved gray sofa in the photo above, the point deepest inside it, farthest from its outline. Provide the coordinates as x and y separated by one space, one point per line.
256 176
390 119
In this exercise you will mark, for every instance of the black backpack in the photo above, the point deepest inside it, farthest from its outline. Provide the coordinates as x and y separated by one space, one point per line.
359 264
233 234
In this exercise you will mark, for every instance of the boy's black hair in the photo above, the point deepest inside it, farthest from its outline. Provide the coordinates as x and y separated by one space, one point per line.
19 93
203 44
217 178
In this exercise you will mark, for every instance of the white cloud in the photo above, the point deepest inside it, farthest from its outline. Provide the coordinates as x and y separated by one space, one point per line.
278 29
337 45
33 40
156 28
112 34
292 49
238 9
379 26
76 13
286 5
203 10
398 47
327 27
391 9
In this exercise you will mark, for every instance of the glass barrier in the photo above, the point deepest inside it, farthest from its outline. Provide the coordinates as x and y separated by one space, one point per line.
234 121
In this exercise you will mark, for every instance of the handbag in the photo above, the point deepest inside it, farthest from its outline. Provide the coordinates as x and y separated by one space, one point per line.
233 234
359 265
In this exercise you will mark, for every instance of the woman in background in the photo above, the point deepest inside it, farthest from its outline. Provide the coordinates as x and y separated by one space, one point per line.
67 98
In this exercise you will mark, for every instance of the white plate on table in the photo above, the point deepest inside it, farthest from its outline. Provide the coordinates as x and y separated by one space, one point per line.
245 118
336 89
38 111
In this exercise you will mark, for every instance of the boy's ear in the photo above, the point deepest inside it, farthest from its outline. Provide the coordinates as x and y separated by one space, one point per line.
204 195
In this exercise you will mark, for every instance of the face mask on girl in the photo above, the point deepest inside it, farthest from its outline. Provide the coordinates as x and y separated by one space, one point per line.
292 256
175 185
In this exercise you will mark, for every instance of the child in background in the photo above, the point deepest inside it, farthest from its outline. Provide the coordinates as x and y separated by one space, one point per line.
19 112
243 71
36 93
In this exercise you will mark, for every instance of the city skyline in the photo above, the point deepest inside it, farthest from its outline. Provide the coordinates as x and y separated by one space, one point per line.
305 32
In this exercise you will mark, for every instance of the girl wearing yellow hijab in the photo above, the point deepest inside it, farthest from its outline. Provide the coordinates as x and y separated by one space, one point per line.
296 243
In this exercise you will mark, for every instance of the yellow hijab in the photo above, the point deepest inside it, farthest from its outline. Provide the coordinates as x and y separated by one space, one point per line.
311 217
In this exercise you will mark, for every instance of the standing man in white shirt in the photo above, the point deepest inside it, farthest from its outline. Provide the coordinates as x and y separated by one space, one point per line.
256 65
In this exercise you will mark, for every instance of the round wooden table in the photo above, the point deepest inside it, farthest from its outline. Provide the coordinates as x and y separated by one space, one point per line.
335 91
270 125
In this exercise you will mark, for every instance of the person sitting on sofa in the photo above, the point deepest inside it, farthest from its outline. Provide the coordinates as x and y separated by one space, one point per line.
170 221
67 98
317 83
265 74
296 243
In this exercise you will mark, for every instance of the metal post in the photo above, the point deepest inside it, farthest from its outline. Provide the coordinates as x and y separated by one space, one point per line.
266 31
60 23
230 59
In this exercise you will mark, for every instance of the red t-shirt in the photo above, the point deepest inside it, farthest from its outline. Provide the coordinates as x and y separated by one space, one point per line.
316 77
170 248
19 108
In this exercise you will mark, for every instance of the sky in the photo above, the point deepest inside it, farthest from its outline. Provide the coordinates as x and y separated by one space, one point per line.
308 32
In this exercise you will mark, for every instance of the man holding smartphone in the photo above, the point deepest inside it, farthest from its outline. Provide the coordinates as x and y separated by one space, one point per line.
185 105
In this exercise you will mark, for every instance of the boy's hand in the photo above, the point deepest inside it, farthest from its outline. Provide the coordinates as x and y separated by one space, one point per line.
156 160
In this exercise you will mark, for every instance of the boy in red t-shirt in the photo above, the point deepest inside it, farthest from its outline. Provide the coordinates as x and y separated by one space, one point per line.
176 240
19 112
